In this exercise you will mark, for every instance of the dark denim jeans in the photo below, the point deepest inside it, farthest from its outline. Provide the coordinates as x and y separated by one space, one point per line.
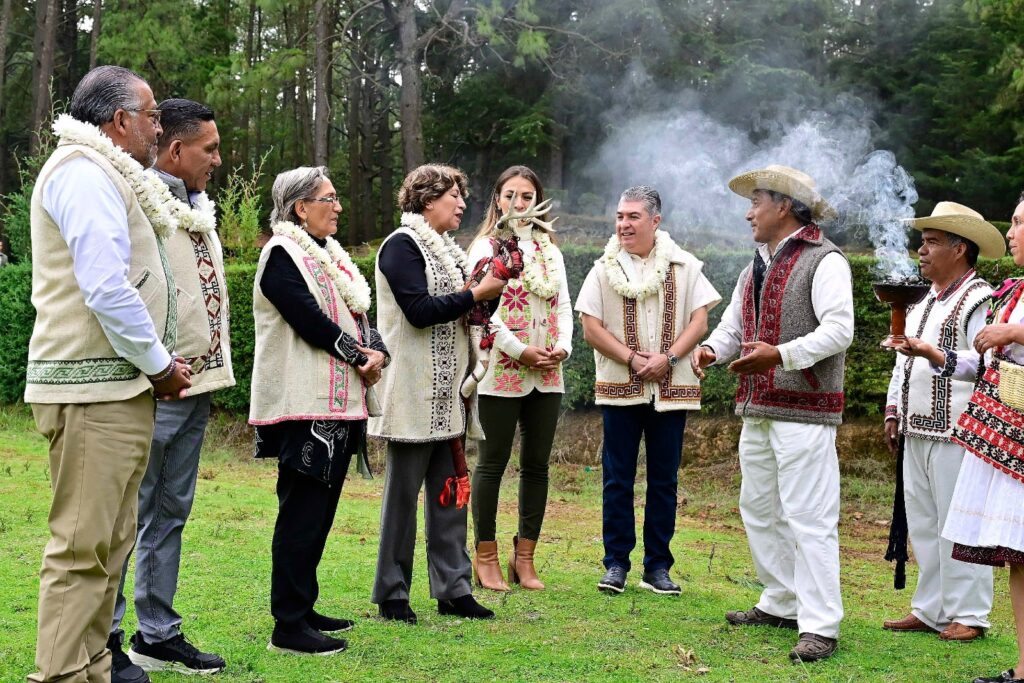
663 436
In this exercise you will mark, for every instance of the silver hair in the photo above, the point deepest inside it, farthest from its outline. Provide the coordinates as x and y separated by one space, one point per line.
972 249
800 211
290 187
646 194
103 91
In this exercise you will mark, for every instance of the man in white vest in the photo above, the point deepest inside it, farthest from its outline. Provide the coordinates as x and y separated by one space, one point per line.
189 151
790 320
644 306
924 403
105 324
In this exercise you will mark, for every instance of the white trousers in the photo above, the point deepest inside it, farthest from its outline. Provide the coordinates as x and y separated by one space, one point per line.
789 501
947 590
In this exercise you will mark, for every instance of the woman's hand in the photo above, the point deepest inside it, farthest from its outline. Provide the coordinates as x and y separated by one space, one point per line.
532 356
999 334
552 358
489 288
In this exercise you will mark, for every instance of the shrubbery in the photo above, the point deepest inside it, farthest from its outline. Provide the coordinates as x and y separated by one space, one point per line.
867 368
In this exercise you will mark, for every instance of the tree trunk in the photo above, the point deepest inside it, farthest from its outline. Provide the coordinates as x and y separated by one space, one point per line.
94 37
410 111
387 176
5 29
355 180
47 18
66 68
322 115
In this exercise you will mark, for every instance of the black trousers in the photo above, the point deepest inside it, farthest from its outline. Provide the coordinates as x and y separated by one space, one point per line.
305 513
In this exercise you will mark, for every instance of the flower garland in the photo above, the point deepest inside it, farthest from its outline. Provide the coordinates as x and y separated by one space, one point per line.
154 197
202 218
353 289
541 275
442 246
652 284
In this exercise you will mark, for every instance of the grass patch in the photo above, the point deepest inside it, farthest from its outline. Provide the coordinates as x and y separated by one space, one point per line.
570 632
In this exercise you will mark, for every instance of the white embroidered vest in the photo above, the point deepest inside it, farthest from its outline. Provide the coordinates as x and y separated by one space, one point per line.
204 340
292 380
929 405
419 391
70 359
619 385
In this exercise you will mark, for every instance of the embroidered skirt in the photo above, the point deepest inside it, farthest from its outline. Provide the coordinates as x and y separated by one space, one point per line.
986 515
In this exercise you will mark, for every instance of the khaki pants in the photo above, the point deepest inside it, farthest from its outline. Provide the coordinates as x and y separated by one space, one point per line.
98 455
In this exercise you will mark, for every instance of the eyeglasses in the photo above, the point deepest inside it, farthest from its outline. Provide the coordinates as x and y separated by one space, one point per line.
329 199
153 114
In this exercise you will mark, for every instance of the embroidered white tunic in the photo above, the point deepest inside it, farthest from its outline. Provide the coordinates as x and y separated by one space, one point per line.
526 319
928 405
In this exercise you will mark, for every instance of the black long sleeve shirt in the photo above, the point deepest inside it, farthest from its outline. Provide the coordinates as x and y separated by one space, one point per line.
403 265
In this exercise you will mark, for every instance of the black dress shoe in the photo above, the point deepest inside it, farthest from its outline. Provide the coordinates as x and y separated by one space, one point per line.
122 670
328 624
397 610
304 642
464 606
613 581
1007 676
659 582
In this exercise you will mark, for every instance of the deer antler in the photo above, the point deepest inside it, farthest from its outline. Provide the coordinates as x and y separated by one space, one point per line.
531 214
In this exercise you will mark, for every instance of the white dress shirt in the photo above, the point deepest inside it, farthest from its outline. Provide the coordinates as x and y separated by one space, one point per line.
831 299
93 220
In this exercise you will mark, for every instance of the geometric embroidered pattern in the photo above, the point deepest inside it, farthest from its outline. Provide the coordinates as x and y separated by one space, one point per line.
668 391
990 429
444 358
86 371
210 289
635 386
765 325
337 390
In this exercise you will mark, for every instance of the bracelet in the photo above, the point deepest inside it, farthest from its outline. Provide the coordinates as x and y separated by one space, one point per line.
156 379
632 355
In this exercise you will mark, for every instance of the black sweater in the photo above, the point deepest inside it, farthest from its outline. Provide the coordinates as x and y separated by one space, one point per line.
405 269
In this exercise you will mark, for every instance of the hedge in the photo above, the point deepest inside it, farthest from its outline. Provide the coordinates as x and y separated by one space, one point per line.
867 367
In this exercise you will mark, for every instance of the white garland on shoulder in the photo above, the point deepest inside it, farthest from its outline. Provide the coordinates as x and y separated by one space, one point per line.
653 282
541 274
154 197
201 218
353 289
442 246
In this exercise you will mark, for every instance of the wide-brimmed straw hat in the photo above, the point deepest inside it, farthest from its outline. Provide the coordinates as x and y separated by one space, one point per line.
788 181
967 223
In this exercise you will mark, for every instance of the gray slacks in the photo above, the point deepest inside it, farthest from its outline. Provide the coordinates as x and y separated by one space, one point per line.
409 466
165 501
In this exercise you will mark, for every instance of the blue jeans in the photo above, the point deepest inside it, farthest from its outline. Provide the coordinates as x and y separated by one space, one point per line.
663 436
165 501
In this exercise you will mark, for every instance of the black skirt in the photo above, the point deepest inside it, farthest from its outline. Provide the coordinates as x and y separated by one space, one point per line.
320 449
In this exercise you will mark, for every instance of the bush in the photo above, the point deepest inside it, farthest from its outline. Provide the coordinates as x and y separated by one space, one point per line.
868 367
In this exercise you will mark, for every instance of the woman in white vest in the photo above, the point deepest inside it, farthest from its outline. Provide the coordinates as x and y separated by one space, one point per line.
421 299
523 382
316 358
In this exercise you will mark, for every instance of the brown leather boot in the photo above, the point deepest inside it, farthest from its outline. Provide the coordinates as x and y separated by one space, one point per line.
520 565
487 569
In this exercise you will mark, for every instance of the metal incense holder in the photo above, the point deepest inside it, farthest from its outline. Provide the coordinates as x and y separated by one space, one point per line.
899 296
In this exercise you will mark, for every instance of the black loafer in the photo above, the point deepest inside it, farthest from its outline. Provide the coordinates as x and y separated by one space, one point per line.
1007 676
397 610
613 581
659 582
326 624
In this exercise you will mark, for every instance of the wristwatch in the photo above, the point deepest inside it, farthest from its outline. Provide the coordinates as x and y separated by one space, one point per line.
672 359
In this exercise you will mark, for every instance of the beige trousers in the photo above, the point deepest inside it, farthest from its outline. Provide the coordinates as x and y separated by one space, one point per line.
98 455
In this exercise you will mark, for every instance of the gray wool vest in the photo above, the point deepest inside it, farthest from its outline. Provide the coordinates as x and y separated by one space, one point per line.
785 312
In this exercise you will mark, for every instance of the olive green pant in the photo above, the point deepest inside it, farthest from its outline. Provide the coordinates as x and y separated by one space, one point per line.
536 415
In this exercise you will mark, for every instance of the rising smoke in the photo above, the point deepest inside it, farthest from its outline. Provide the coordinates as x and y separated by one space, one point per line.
689 156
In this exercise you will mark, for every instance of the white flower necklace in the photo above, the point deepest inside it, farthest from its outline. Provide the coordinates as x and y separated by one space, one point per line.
442 246
353 289
541 274
201 218
154 197
652 283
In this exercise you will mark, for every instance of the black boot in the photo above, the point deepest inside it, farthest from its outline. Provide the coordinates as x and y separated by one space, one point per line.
397 610
464 606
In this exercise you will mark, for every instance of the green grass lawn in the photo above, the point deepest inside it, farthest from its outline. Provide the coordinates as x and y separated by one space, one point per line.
570 632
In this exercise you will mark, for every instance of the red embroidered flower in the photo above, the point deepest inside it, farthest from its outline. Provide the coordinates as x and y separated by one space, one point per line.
550 378
515 298
507 362
509 382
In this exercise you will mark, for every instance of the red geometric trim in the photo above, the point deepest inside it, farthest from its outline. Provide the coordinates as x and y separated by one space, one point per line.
667 391
991 430
635 386
210 287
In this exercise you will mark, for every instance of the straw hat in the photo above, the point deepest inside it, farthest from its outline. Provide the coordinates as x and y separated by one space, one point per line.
788 181
965 222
